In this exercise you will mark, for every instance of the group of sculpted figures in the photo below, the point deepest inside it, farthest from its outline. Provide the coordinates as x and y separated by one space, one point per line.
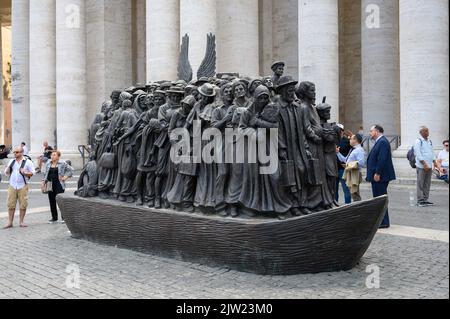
133 136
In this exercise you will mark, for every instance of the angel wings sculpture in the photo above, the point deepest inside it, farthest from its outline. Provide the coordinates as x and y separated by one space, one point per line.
207 67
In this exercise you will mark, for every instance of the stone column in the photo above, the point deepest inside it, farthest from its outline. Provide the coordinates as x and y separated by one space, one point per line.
350 100
265 36
109 50
71 95
197 19
139 42
238 37
42 73
380 65
163 39
285 34
319 49
424 69
20 72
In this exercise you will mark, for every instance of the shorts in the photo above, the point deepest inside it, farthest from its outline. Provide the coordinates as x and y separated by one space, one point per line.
20 195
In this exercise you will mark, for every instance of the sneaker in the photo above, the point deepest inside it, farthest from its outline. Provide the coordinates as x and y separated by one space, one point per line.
62 221
421 204
427 203
52 221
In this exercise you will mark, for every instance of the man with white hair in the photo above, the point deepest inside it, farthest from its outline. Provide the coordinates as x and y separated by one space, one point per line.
19 170
425 159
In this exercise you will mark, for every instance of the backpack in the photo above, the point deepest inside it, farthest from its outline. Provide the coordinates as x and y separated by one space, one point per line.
411 156
11 166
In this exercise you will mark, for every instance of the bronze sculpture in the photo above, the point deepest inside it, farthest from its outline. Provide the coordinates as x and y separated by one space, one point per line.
238 211
133 144
268 208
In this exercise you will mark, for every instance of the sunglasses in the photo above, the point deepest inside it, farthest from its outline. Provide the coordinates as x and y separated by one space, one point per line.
16 152
446 145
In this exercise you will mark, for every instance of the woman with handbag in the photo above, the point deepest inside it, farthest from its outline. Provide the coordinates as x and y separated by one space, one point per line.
57 173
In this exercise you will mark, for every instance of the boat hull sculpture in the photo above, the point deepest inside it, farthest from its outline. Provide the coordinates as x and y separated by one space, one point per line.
332 240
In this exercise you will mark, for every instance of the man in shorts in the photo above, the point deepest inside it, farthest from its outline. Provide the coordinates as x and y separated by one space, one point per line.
19 170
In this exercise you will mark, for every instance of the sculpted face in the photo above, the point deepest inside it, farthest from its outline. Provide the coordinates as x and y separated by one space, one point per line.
311 93
142 102
206 100
279 70
255 84
262 101
239 91
268 83
127 104
227 94
175 99
159 100
195 94
115 97
288 93
325 114
149 100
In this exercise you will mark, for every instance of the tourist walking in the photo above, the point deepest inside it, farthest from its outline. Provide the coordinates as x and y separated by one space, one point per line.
380 168
25 149
57 172
19 170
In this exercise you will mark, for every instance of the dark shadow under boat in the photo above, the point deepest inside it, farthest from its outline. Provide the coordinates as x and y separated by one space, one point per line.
332 240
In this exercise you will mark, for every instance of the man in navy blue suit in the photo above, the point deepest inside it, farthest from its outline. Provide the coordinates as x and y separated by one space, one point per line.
380 168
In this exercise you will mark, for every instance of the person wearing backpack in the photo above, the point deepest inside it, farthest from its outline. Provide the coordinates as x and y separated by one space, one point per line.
425 159
19 170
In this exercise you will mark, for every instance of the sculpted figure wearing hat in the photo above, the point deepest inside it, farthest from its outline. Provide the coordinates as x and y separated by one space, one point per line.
221 119
293 149
182 192
278 71
331 135
165 173
207 172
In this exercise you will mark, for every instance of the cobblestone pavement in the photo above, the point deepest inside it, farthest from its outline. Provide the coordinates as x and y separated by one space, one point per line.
39 262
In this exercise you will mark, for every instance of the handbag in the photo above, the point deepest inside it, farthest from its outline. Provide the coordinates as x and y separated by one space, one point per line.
314 172
188 169
47 187
108 160
287 174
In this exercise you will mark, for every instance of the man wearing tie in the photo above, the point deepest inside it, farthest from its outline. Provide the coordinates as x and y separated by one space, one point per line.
380 168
